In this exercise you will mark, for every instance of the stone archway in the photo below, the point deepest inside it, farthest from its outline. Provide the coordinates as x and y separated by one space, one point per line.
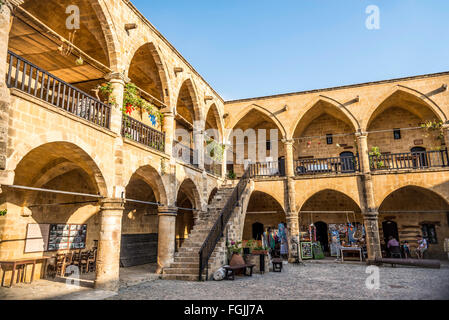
394 125
188 202
77 184
417 211
144 192
325 130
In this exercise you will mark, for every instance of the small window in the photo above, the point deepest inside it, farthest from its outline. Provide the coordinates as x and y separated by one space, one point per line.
429 233
329 138
268 145
397 134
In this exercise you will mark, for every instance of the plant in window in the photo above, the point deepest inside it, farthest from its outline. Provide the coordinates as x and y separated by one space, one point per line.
231 175
375 153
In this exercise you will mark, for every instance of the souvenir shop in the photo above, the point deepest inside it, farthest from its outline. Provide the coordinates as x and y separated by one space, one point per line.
325 234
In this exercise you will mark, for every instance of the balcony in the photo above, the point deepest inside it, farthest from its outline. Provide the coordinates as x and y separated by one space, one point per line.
29 78
143 134
335 165
267 169
411 160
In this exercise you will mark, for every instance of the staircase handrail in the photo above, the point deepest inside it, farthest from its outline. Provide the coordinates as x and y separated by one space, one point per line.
217 230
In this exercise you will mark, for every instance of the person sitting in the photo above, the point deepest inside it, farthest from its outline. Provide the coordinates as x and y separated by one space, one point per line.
393 246
406 250
422 247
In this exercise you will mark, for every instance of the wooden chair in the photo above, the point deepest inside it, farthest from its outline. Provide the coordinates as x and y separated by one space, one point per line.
76 258
84 262
92 261
60 264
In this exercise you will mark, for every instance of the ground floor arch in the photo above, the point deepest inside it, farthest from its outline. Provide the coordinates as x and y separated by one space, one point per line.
412 211
187 201
53 204
331 218
139 240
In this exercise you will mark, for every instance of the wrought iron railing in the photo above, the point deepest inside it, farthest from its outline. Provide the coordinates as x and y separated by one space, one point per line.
327 165
410 160
185 153
29 78
218 229
267 169
141 133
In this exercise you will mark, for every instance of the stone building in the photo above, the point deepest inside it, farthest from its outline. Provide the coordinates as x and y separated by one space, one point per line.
69 155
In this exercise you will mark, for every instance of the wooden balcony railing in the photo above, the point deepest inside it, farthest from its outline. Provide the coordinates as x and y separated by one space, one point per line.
184 153
29 78
410 160
267 169
334 165
141 133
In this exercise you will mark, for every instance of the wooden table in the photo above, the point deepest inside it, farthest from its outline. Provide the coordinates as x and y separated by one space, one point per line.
22 262
350 249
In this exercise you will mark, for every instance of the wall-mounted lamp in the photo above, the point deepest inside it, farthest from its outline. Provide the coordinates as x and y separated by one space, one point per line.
130 26
178 70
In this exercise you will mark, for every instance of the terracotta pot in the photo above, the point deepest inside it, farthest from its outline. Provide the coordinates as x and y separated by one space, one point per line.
236 259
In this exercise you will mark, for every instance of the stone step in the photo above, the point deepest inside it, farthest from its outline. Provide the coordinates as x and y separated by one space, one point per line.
183 277
185 265
192 271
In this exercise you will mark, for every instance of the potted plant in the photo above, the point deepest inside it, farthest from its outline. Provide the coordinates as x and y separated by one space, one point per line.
234 250
260 250
231 175
249 246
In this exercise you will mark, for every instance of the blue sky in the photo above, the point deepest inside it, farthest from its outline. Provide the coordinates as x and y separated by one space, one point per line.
251 48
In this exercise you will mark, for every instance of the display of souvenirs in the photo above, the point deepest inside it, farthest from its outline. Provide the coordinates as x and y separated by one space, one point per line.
306 250
70 236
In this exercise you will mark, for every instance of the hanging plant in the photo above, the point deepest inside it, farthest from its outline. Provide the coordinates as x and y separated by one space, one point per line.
375 152
3 212
133 101
434 126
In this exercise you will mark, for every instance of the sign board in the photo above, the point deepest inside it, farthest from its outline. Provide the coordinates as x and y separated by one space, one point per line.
37 237
306 250
67 236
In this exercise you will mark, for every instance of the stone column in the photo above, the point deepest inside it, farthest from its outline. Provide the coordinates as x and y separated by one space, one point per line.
169 129
118 81
446 134
166 237
369 209
289 162
198 144
5 100
293 232
108 255
362 139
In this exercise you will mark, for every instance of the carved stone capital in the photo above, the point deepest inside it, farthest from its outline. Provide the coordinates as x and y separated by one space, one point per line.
117 76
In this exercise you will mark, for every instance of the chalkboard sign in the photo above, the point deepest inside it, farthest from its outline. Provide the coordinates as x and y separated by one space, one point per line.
317 251
67 236
306 250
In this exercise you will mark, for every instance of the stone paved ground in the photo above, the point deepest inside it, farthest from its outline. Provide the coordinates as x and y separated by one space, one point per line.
312 281
316 280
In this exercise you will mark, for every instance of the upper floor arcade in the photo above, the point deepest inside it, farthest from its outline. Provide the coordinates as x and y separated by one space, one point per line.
381 127
104 62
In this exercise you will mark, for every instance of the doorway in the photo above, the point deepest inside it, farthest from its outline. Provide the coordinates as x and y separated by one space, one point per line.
347 161
419 157
257 231
322 235
390 228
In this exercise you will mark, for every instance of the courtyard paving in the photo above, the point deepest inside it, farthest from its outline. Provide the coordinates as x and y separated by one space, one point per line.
314 281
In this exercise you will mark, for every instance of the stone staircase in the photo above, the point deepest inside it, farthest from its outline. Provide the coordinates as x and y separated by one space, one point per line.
186 263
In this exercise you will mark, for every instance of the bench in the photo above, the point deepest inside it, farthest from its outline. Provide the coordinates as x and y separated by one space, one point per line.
230 270
277 265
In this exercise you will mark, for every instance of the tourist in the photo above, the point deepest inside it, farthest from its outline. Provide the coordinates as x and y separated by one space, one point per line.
406 249
282 233
422 247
